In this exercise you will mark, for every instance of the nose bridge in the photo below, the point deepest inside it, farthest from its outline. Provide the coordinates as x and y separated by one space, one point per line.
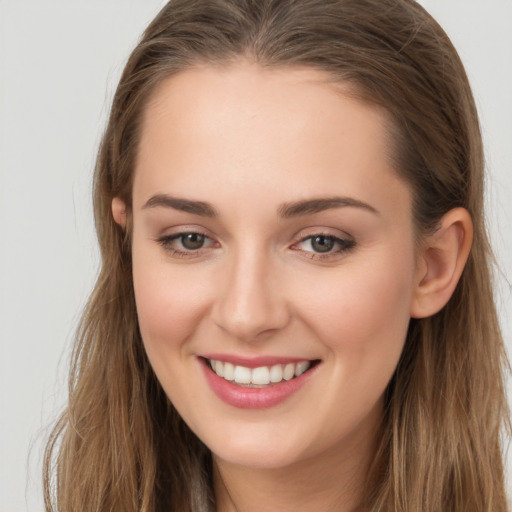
250 301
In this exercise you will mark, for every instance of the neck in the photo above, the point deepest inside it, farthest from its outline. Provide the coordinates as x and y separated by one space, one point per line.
331 481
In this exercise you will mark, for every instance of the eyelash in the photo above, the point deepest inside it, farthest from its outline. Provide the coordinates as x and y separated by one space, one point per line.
343 245
167 243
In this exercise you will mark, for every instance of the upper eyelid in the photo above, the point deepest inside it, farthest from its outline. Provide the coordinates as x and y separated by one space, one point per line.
326 235
304 234
176 231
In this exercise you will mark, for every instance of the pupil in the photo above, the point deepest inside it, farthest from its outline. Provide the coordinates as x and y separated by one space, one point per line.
322 243
192 241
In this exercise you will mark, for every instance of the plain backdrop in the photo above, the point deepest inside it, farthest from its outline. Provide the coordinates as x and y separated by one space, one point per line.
59 64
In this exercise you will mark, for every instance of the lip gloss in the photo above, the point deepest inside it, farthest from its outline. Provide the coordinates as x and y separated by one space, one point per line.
253 398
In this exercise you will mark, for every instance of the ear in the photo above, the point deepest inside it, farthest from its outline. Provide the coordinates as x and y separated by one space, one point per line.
119 211
440 263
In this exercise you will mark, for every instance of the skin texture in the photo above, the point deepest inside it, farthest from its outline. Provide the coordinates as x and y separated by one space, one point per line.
248 141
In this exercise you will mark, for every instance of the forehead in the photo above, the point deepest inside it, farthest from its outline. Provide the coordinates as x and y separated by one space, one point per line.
242 79
255 91
244 127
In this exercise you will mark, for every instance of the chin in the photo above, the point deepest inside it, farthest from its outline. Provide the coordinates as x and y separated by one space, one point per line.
261 451
256 458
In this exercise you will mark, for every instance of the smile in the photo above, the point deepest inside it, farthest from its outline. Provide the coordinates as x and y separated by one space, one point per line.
260 376
258 383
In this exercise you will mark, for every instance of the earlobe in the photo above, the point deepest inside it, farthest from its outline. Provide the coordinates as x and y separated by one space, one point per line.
441 262
119 211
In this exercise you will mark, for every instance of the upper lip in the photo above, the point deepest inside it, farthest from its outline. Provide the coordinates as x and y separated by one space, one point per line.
254 362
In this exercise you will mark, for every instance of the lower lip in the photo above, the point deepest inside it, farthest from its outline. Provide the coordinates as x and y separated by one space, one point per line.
254 398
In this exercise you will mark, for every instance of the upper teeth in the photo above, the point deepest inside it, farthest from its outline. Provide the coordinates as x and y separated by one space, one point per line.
261 375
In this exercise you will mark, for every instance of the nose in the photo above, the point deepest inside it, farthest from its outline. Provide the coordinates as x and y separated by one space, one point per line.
250 302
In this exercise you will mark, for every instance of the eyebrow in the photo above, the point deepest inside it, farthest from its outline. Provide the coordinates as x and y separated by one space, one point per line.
184 205
286 210
310 206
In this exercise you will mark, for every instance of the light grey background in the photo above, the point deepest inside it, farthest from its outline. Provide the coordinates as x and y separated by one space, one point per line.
59 63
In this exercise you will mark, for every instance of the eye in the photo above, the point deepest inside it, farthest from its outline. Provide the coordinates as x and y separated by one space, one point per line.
319 245
186 244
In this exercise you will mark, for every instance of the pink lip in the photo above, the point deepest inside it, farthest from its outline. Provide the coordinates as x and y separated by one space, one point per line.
254 398
253 362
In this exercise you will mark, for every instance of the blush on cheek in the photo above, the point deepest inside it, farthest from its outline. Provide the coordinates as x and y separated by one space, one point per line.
366 316
170 303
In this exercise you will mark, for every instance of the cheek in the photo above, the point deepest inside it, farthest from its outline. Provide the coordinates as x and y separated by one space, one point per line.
363 313
361 318
169 302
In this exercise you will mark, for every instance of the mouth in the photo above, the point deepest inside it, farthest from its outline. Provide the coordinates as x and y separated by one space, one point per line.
256 383
263 376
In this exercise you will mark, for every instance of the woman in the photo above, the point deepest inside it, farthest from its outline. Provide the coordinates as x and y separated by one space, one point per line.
294 310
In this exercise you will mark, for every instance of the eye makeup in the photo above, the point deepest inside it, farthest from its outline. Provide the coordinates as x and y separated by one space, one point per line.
318 245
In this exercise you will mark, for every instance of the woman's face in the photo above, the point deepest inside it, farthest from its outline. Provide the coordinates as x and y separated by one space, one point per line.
271 237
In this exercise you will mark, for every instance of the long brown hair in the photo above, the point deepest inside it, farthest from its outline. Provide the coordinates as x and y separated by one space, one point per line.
120 445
